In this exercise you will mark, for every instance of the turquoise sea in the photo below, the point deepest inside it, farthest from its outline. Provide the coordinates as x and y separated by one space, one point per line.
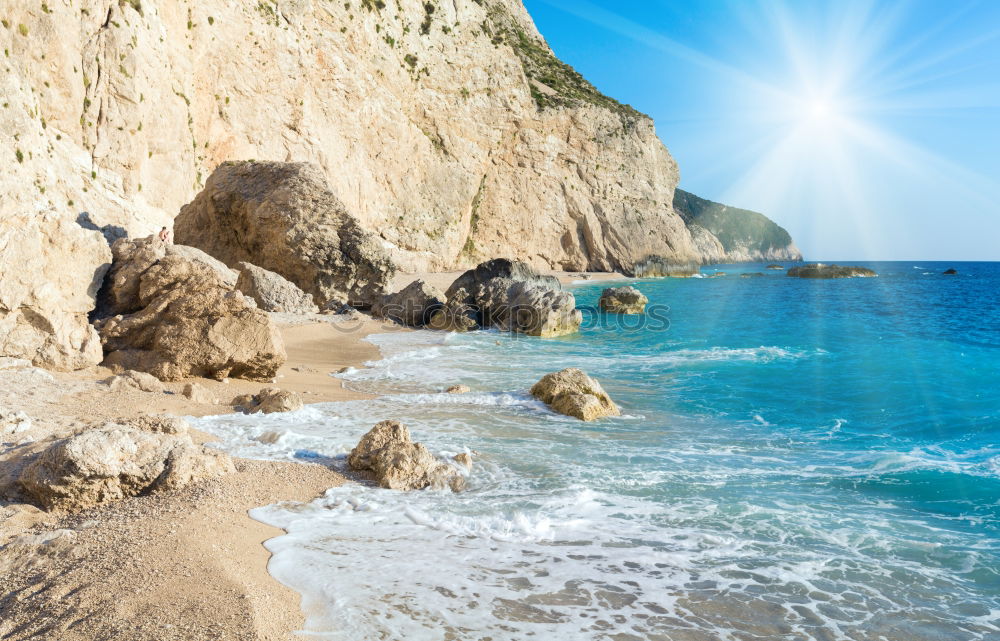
798 459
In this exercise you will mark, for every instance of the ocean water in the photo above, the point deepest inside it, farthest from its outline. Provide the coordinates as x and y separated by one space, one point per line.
797 459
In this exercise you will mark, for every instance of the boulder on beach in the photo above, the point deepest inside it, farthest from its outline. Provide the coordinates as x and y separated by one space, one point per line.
573 393
282 216
414 305
199 394
272 292
623 300
131 379
269 400
173 312
820 270
13 421
400 464
115 462
511 296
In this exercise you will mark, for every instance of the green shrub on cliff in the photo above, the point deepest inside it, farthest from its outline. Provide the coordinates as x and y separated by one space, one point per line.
567 87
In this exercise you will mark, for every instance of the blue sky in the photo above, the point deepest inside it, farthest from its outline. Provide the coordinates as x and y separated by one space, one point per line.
870 130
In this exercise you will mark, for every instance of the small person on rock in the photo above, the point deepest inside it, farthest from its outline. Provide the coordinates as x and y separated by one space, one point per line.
165 236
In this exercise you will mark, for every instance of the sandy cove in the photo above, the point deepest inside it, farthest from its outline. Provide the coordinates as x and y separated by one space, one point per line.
188 564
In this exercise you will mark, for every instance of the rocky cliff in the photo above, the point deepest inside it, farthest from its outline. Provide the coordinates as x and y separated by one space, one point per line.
724 234
446 127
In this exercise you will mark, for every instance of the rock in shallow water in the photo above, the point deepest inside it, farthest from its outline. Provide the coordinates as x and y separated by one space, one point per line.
623 300
511 296
269 400
400 464
820 270
573 393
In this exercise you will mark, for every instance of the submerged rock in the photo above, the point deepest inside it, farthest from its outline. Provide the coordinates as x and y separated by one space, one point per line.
751 275
820 270
776 267
414 305
458 389
400 464
272 292
177 315
269 400
950 272
115 462
623 300
511 296
573 393
284 218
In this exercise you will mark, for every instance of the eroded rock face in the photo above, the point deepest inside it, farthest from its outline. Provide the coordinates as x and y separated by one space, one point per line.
820 270
573 393
268 401
623 300
116 462
510 296
414 305
400 464
178 316
272 292
51 270
284 218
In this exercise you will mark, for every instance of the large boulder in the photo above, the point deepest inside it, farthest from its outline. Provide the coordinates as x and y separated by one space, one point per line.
284 218
573 393
400 464
511 296
272 292
414 305
623 300
51 270
115 462
177 315
819 270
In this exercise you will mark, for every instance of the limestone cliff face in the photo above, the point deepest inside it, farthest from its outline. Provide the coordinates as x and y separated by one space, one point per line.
446 126
723 234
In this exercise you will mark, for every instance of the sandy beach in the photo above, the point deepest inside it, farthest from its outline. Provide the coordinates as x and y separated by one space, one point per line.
188 564
178 565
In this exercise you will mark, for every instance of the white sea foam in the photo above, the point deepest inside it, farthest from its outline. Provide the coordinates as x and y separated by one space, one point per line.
605 530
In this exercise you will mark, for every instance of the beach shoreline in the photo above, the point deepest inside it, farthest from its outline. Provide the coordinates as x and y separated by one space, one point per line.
186 564
189 564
